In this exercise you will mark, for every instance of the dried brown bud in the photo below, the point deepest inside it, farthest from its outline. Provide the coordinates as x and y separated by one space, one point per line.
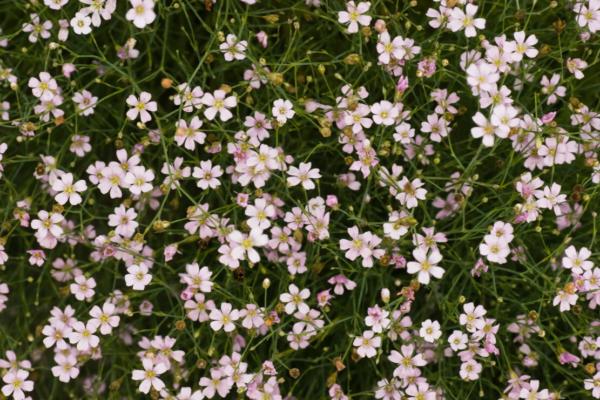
275 78
559 25
294 373
339 365
590 368
325 132
352 59
533 315
271 18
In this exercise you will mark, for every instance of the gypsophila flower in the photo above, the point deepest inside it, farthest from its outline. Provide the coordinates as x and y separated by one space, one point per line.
81 24
283 110
68 191
141 13
218 102
149 375
233 49
465 20
354 15
141 107
425 265
303 176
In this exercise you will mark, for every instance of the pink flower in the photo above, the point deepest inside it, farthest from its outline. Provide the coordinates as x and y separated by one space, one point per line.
367 344
224 317
16 384
139 180
83 336
340 283
218 103
187 135
83 288
44 88
262 39
567 358
207 175
149 375
459 20
361 245
303 175
354 15
140 107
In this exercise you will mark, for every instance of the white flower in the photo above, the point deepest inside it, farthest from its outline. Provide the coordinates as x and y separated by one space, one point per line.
459 20
81 24
458 340
197 278
48 223
123 220
354 15
389 49
141 12
532 392
55 4
260 214
565 299
244 244
66 368
577 261
139 180
233 49
99 9
524 46
484 129
105 317
495 249
137 276
294 299
425 265
430 331
85 102
470 370
67 190
397 226
188 134
482 76
384 113
149 375
551 198
411 192
283 110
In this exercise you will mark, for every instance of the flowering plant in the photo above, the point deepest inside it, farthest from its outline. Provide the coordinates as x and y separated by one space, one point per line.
299 199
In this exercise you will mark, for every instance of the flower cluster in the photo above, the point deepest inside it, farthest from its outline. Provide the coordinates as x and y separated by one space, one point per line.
299 199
